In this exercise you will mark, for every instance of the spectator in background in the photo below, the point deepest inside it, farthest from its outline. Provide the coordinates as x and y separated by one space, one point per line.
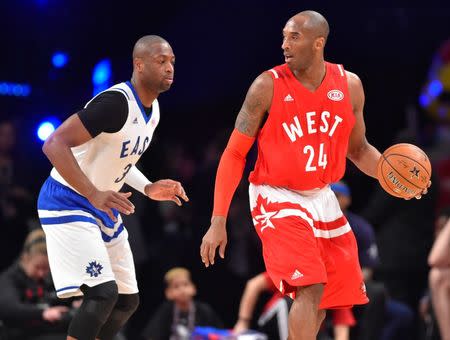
176 318
383 318
439 279
29 307
15 200
430 329
273 320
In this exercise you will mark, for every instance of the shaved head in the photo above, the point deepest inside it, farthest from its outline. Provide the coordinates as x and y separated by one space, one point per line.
314 22
144 45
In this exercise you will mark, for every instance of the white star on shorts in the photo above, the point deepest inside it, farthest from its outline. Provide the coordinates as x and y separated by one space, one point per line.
265 217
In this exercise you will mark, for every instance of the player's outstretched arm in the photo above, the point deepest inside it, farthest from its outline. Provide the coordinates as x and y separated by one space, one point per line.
231 167
360 152
57 148
166 190
364 155
162 190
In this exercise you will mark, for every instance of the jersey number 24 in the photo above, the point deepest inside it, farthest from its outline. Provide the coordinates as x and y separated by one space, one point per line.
321 159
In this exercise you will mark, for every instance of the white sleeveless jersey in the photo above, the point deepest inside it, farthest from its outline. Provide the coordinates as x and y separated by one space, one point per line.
107 158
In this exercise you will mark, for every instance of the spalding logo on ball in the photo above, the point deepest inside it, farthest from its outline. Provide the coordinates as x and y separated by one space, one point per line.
404 170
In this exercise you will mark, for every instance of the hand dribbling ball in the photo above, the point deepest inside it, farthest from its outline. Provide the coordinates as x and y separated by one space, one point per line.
404 170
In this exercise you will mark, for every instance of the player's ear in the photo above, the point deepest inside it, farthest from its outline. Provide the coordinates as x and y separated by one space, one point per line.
319 43
138 64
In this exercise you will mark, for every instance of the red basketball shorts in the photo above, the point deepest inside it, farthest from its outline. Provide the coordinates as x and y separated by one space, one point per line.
306 239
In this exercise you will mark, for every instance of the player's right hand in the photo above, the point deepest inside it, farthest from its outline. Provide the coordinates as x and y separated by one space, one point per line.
52 314
216 236
107 200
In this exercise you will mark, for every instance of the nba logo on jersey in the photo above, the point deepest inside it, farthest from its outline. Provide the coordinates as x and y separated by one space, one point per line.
335 95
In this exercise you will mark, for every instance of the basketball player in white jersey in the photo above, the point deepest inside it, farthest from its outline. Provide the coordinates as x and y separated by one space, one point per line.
94 152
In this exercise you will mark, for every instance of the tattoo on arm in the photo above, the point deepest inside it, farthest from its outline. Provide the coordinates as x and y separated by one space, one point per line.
256 105
247 123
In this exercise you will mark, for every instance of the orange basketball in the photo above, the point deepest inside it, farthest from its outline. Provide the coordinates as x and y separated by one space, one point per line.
404 170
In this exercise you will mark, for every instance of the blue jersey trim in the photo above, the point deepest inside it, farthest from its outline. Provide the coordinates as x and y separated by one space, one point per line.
67 219
138 101
67 288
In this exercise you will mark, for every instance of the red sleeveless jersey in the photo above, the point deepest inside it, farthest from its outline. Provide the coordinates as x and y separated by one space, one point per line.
303 143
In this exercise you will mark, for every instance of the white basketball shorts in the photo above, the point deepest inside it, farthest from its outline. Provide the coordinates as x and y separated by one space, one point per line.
84 245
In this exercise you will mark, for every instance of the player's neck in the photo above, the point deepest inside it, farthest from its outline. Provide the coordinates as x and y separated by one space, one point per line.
145 96
313 75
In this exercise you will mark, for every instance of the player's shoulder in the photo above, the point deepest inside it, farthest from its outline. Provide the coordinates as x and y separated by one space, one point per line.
352 78
112 95
110 99
278 72
263 83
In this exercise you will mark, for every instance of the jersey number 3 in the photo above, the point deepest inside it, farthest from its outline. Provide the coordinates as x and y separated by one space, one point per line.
321 161
125 171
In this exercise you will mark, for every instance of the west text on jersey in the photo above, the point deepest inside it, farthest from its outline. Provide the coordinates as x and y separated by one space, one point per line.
295 129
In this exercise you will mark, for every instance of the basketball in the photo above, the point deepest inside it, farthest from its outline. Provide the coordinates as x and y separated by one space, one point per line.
404 170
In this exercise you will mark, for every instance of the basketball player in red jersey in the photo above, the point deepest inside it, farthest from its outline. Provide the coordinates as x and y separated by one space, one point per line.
314 121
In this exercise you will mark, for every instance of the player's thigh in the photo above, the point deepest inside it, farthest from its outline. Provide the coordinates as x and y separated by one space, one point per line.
122 263
345 285
77 255
291 254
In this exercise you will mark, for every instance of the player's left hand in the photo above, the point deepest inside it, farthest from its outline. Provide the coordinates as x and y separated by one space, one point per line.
423 192
216 236
166 190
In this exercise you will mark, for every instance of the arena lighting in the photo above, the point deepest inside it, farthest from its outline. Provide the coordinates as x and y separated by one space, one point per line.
424 100
46 128
60 59
101 76
14 89
435 88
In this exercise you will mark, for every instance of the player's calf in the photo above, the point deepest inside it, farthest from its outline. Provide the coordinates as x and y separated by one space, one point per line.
125 306
98 302
304 316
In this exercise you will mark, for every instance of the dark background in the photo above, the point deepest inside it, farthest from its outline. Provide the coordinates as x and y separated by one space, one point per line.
220 46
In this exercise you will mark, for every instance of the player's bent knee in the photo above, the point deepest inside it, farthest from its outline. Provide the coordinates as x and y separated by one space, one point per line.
312 293
105 294
127 303
98 302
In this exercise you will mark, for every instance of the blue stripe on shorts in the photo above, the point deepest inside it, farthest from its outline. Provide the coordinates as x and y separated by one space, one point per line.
55 196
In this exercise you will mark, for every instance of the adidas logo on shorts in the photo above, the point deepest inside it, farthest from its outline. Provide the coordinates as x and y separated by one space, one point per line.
296 275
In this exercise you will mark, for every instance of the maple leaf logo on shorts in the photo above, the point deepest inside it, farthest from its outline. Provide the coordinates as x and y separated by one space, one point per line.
94 269
263 213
